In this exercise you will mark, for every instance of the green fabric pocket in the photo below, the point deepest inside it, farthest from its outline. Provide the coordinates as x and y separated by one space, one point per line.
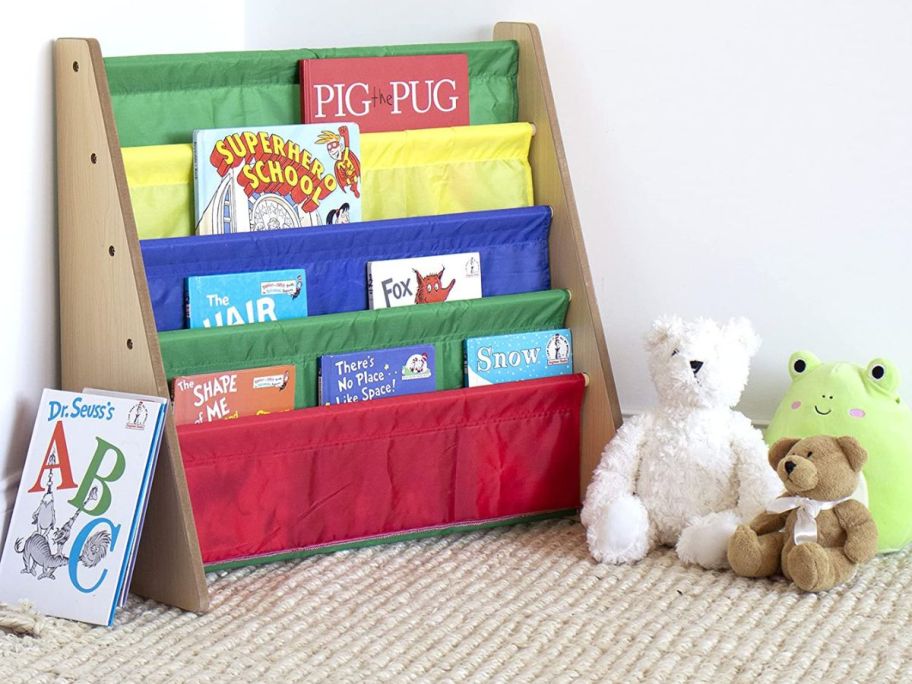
302 341
161 99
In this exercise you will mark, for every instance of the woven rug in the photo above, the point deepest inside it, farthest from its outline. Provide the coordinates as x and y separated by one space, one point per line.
516 604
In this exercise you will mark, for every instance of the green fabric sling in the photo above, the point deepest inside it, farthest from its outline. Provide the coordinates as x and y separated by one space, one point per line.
161 99
302 341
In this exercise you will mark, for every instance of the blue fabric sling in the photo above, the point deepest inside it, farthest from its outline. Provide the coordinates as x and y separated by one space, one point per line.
513 244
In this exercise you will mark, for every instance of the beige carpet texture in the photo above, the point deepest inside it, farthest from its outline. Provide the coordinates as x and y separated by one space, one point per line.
518 604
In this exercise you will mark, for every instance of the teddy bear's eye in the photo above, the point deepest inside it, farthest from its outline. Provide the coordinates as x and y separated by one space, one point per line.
810 453
674 352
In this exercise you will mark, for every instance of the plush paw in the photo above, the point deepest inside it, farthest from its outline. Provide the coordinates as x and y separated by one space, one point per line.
810 568
621 533
705 541
744 553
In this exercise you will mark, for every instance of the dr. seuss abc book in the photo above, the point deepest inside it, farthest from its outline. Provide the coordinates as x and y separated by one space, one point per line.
275 177
81 502
214 301
423 280
520 356
393 93
378 373
233 394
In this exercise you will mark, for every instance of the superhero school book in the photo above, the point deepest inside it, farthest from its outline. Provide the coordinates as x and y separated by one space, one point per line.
393 93
78 514
270 178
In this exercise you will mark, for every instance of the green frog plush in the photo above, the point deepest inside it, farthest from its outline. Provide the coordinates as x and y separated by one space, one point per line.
839 399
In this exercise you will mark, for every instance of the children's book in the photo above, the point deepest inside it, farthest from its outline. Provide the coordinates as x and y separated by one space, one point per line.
276 177
78 515
214 301
386 93
233 394
378 373
144 499
520 356
423 280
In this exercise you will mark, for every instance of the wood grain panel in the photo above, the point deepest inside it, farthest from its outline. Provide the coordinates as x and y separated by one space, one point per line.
569 264
107 331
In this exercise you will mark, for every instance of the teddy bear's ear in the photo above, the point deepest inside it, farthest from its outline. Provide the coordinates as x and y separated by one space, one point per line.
741 330
854 452
663 329
779 450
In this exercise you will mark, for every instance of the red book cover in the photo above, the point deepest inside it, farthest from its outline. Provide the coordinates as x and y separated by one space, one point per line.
233 394
386 93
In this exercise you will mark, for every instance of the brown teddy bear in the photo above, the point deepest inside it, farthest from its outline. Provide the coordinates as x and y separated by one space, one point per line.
814 534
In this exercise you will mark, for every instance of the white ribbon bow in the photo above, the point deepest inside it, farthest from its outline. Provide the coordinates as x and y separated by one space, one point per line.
808 510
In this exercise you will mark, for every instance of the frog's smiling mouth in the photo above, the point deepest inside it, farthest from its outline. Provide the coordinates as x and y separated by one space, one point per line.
821 412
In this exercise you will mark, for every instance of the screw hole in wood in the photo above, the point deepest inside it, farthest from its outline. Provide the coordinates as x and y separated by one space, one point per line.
129 343
94 158
75 66
111 250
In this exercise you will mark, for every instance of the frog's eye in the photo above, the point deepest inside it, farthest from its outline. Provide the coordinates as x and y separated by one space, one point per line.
882 373
801 363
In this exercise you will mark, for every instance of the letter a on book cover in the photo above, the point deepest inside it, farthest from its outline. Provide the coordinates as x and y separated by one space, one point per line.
78 514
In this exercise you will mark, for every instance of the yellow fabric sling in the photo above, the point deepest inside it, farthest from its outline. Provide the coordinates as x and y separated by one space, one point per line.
408 173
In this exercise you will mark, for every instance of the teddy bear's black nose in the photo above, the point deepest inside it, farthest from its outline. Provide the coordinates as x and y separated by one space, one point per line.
789 467
695 366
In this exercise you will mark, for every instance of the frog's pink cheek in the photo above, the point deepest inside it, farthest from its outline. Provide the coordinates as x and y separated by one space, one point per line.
856 413
796 405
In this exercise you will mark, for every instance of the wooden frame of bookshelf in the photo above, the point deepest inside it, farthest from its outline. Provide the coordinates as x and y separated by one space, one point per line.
107 331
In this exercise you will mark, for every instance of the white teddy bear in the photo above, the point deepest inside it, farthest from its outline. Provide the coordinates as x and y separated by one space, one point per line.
687 472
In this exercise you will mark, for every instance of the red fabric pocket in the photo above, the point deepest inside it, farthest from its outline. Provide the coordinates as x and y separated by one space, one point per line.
289 482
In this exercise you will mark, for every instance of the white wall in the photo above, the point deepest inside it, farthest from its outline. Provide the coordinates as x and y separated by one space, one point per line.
28 257
728 158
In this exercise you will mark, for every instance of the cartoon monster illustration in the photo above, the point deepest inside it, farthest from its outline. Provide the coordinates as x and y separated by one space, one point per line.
558 349
299 285
347 167
44 518
63 534
417 363
430 289
36 549
137 416
840 399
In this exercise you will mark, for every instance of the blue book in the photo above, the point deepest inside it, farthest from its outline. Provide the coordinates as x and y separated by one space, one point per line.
378 373
239 298
521 356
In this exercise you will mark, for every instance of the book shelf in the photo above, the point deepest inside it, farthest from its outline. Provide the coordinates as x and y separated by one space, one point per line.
108 337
